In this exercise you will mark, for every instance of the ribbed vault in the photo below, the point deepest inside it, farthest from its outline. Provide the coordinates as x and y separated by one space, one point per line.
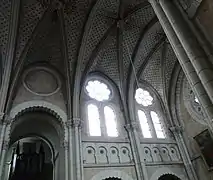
78 38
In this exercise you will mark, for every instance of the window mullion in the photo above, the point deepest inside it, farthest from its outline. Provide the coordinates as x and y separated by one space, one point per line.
151 124
102 120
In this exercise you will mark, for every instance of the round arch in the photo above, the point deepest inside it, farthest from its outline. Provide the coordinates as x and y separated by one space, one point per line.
48 125
112 174
166 171
43 104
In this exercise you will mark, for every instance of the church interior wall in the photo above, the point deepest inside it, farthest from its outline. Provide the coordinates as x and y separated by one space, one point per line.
37 103
103 172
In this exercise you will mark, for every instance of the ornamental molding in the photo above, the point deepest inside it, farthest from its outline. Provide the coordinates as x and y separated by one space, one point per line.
176 129
132 126
166 171
2 116
57 111
5 145
112 174
77 122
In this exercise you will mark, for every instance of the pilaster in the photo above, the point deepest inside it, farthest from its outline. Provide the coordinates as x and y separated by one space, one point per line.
184 60
197 56
76 125
178 134
132 130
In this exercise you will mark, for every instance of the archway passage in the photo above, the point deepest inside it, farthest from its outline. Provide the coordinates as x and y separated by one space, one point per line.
31 160
169 177
112 178
35 151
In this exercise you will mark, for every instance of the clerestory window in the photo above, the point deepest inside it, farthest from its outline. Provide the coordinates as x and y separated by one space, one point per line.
101 116
150 122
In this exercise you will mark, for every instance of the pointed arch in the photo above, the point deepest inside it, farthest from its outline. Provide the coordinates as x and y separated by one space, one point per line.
107 107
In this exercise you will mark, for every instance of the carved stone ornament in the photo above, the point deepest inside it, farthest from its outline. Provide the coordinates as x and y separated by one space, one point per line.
65 145
132 126
68 123
1 116
5 145
176 129
76 122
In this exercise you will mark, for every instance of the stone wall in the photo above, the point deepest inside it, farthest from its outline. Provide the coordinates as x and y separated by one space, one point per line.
204 18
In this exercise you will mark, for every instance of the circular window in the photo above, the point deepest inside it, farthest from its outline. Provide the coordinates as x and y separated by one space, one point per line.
98 90
143 97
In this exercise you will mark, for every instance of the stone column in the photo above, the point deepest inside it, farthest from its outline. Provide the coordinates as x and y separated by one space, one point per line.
185 63
3 124
196 54
66 148
3 153
70 151
76 122
177 132
141 171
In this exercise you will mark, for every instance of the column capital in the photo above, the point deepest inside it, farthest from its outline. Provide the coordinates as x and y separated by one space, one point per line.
132 126
5 145
176 129
65 144
68 123
77 122
2 116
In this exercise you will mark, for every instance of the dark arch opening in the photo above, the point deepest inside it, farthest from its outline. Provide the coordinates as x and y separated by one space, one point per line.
31 158
112 178
37 135
169 177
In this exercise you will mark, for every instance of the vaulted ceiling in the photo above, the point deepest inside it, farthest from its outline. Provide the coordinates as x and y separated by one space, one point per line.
78 37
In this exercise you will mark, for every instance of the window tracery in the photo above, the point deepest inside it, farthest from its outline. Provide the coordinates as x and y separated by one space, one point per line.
148 115
101 116
192 104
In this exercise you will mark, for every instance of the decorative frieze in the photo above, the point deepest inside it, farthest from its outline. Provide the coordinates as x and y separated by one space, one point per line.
155 153
107 153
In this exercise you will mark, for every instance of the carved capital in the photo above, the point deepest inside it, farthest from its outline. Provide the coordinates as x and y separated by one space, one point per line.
65 145
176 129
2 116
5 145
132 126
68 123
76 122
